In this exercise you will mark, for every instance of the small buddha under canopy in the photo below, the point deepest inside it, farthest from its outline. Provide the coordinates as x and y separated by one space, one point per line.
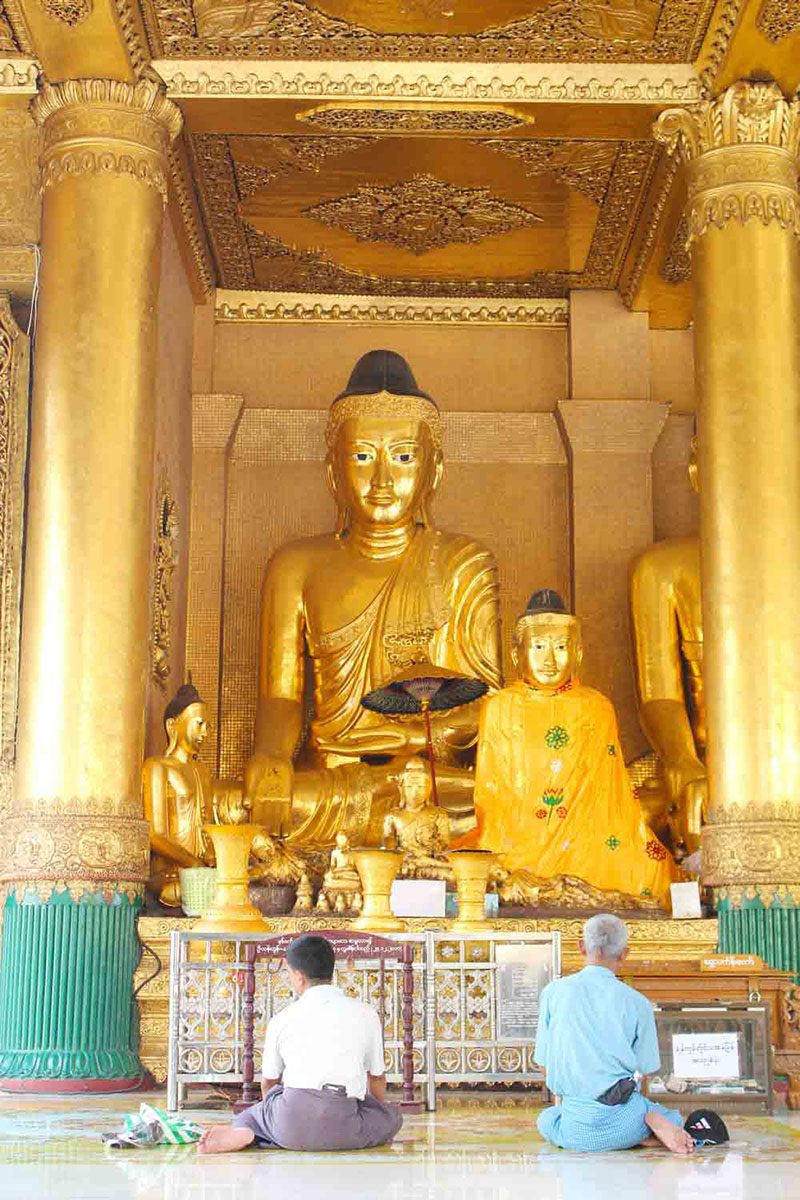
551 791
418 828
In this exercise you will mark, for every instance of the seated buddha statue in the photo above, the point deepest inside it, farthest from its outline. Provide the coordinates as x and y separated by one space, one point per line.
383 591
180 797
341 883
667 624
551 790
419 829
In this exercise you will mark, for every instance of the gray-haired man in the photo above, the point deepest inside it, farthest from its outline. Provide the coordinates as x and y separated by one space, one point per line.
596 1036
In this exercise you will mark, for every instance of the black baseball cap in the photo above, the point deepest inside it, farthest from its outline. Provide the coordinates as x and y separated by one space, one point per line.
706 1128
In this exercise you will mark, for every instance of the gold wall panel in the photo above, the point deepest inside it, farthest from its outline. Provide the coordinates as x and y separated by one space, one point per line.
478 30
276 491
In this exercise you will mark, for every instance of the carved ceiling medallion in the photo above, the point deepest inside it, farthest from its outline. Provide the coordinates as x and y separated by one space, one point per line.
421 214
413 118
247 258
552 31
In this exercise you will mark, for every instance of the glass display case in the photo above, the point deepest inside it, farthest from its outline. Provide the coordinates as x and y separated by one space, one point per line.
717 1057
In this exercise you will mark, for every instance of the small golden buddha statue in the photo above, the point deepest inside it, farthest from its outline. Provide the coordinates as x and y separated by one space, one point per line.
341 883
178 795
384 591
551 789
304 901
419 829
667 623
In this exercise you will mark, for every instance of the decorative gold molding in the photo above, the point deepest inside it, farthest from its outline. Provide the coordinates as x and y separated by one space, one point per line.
105 126
165 559
631 285
14 373
414 118
532 82
279 308
180 179
742 152
721 31
421 214
280 155
19 77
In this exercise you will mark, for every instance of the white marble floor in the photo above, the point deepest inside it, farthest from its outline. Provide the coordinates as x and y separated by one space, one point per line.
470 1149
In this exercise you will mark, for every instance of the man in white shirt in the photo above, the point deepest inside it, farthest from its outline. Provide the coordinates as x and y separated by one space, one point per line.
323 1077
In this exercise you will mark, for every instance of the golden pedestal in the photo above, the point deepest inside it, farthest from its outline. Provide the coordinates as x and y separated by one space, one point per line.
378 870
231 910
471 868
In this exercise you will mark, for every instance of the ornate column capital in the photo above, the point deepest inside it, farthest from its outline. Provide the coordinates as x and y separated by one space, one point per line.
104 126
742 152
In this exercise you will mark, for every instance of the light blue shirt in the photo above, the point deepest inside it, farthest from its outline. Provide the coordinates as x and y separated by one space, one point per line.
594 1030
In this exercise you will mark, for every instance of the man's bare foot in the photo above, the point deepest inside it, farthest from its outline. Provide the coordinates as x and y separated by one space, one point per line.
224 1139
674 1137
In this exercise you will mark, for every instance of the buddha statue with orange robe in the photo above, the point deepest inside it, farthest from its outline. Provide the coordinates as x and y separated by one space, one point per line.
551 790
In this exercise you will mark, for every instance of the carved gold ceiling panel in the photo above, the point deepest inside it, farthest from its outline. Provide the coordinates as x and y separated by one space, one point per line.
430 30
436 217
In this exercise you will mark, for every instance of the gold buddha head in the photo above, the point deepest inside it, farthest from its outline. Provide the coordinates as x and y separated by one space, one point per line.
414 784
547 648
186 721
384 445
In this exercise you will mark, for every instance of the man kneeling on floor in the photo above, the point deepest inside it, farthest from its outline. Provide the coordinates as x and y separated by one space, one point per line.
323 1078
596 1038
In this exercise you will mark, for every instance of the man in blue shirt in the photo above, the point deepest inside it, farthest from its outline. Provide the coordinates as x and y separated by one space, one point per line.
596 1038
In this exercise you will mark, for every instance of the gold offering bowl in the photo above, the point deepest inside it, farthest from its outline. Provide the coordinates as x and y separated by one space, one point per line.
231 910
471 869
378 870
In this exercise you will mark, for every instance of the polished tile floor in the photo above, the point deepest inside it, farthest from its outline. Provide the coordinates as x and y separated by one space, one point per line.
472 1147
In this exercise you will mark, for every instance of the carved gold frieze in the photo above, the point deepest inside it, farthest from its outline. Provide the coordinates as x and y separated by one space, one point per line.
413 119
422 213
584 165
42 846
765 852
778 19
554 31
260 308
165 560
601 83
629 286
754 134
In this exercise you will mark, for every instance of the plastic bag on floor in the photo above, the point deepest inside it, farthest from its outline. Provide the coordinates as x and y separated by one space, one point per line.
152 1126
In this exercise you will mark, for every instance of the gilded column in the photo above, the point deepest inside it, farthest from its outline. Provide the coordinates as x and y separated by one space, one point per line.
741 154
76 843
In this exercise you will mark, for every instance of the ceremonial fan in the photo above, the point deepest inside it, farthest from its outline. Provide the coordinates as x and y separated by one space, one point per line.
424 689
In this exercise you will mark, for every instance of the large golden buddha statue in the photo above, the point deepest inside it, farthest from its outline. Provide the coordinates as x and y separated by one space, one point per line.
667 624
551 790
384 591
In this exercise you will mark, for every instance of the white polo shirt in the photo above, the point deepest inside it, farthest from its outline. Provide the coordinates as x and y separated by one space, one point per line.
324 1037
